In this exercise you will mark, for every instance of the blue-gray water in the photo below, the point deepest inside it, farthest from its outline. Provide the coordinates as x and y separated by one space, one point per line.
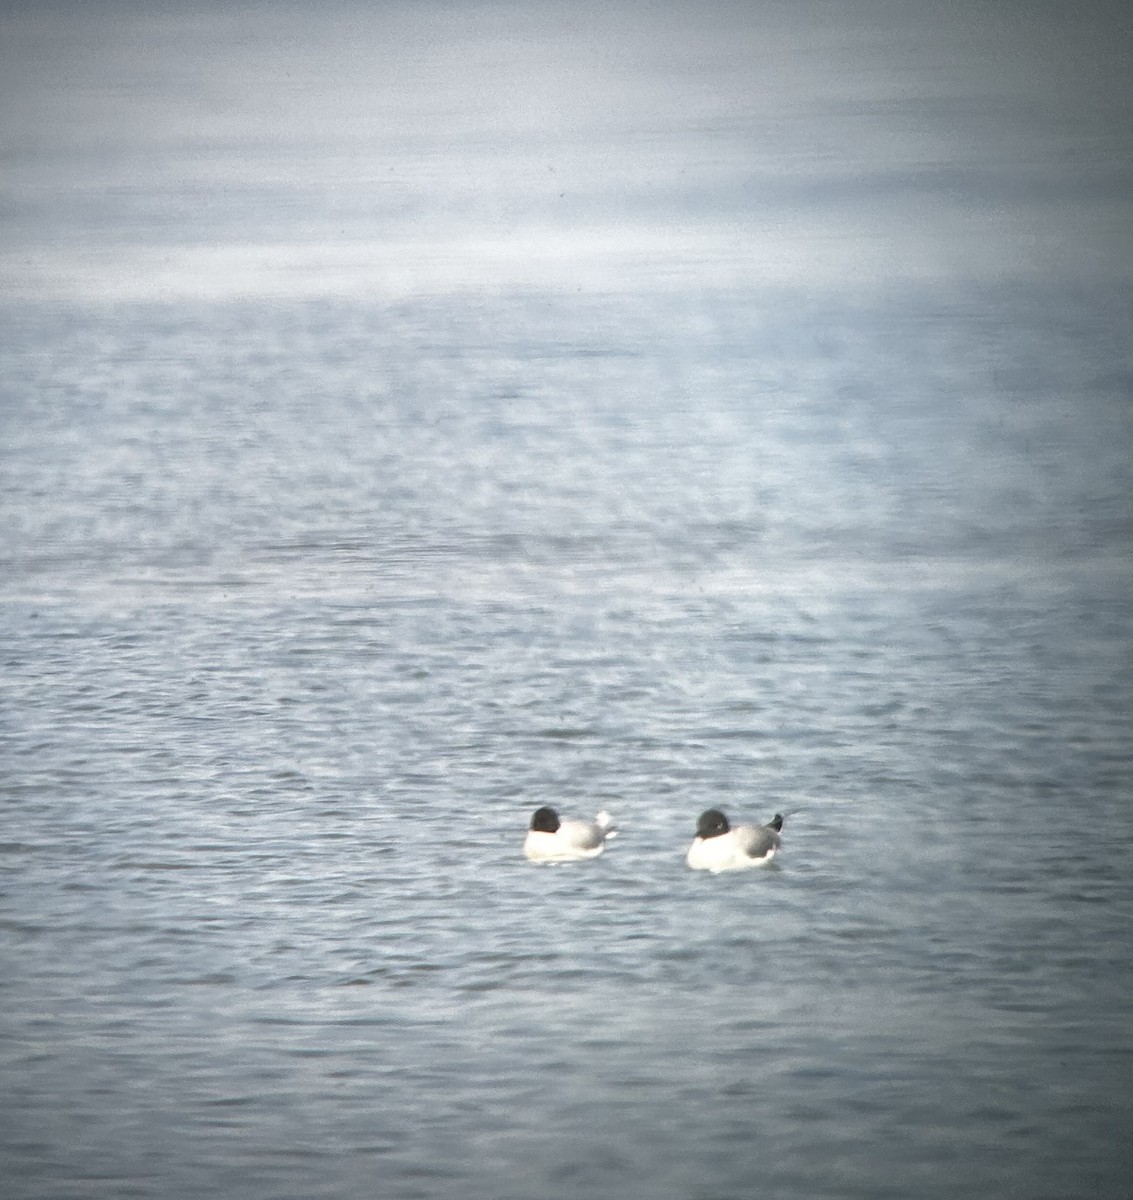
315 582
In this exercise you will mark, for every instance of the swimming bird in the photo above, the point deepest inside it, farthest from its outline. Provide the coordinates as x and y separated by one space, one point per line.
719 846
551 839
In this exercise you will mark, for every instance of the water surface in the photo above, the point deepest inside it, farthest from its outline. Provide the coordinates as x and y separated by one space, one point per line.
321 568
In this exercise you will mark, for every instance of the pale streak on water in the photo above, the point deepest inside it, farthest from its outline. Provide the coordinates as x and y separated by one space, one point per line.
308 600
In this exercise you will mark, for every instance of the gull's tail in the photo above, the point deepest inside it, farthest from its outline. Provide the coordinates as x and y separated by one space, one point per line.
606 823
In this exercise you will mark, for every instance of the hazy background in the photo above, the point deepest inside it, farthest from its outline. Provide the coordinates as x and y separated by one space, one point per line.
165 150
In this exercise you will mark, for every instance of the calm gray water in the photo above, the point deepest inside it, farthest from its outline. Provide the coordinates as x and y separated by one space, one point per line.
318 575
